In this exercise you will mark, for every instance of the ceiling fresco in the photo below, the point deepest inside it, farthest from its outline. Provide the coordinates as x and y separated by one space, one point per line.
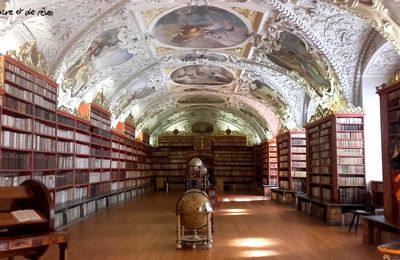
202 75
200 27
251 65
294 56
103 52
201 99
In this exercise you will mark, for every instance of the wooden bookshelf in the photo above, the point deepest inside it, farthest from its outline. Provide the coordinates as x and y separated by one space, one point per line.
84 165
377 193
292 161
270 162
28 125
335 167
336 164
390 129
231 160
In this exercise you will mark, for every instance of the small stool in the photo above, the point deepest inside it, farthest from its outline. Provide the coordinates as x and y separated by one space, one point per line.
390 251
356 215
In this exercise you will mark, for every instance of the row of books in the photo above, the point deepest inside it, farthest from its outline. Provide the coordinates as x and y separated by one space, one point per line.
43 102
298 141
350 160
297 149
351 181
350 152
393 95
351 169
350 144
16 140
17 122
349 120
322 170
299 174
17 105
44 161
18 72
350 127
44 129
350 135
325 131
13 180
65 162
352 195
19 81
45 114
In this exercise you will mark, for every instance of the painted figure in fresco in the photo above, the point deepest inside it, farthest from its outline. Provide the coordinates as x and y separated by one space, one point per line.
202 74
294 56
103 52
201 27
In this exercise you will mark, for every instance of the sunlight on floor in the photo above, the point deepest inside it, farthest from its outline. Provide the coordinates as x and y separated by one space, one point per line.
258 253
233 212
244 198
256 246
253 242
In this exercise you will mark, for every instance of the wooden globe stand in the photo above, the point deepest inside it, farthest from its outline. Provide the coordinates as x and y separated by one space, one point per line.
192 236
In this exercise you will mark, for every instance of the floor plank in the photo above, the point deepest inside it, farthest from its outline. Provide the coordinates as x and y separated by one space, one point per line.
245 227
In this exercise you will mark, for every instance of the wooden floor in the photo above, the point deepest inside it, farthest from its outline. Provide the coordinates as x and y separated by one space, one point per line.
245 227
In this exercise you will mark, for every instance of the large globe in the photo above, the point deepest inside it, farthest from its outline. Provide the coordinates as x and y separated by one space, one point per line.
193 207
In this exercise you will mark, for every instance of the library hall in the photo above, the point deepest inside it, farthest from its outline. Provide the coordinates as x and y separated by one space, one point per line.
200 129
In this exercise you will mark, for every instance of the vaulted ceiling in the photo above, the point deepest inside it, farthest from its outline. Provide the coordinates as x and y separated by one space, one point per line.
251 66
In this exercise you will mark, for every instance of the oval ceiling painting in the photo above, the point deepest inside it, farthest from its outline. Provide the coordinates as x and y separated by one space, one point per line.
200 27
202 75
201 99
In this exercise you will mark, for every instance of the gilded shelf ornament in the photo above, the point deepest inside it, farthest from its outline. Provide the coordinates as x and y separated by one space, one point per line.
101 100
393 81
283 130
30 55
67 109
130 119
320 113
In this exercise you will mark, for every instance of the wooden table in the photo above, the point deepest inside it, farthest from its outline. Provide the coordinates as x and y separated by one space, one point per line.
33 246
373 227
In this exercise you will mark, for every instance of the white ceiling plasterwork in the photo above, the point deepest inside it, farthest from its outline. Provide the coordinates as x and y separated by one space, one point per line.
294 53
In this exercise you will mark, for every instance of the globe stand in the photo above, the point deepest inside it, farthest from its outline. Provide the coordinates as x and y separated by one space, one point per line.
194 238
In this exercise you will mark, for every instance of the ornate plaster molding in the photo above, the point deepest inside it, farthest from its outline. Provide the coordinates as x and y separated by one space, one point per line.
377 15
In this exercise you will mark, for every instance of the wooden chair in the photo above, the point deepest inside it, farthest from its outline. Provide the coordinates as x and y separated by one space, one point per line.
356 217
369 210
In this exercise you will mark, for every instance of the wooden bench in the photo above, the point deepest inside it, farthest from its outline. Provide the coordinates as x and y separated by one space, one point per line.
31 236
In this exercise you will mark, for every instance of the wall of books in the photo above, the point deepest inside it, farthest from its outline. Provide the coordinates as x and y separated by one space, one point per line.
78 159
231 159
390 128
292 161
335 157
270 162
